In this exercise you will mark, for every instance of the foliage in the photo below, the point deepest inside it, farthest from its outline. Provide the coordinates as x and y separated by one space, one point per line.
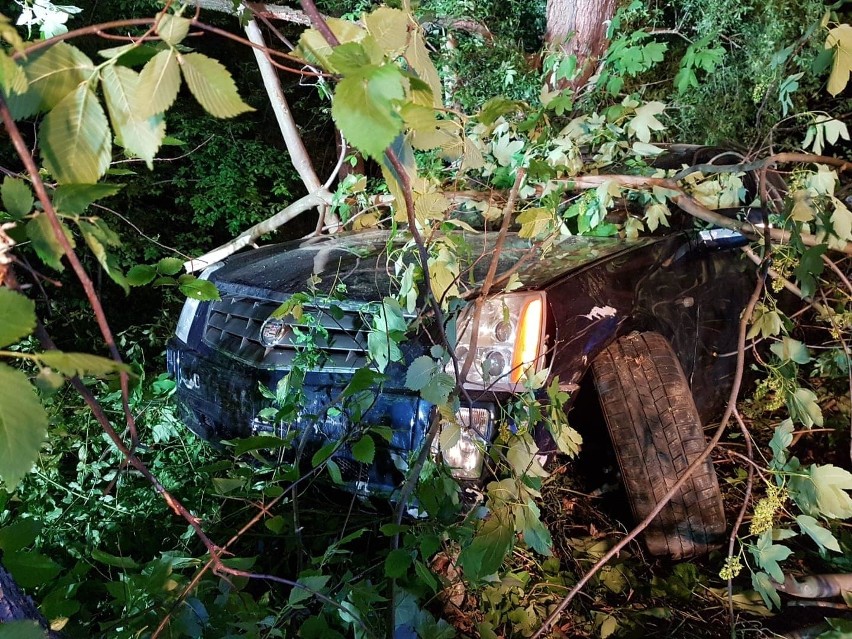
388 101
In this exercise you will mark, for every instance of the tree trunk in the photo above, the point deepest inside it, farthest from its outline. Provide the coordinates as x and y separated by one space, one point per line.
578 27
16 606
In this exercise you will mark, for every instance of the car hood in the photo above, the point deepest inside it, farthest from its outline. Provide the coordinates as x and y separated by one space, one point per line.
359 261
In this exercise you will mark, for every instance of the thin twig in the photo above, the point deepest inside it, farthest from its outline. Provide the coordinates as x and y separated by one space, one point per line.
740 516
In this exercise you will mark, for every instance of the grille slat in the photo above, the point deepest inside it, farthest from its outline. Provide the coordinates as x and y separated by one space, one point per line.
234 325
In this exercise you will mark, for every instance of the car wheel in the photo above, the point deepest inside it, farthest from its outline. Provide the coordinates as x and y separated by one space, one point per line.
657 433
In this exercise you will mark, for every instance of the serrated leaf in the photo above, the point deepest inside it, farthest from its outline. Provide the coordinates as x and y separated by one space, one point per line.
94 239
364 450
781 440
644 120
528 522
419 372
140 136
450 435
804 408
212 85
822 536
74 199
71 364
40 232
389 28
13 78
418 59
489 546
789 349
768 555
825 486
56 72
334 472
761 582
315 48
76 144
158 86
522 456
534 222
169 266
141 274
840 39
202 290
17 198
172 29
23 427
17 317
364 111
438 390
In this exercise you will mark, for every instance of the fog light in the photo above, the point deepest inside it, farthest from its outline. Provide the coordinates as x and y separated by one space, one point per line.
465 458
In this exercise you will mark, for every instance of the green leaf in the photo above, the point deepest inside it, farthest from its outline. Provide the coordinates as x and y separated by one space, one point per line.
113 560
349 57
141 274
17 197
364 108
389 28
781 440
257 442
821 491
397 563
419 372
76 144
46 246
804 408
417 56
13 78
73 199
158 86
323 453
19 534
94 239
809 268
197 289
172 29
761 582
528 521
311 584
438 390
21 630
17 317
489 546
56 72
71 364
840 39
363 379
169 265
48 381
768 555
334 472
822 536
789 349
23 426
140 136
212 86
364 450
644 121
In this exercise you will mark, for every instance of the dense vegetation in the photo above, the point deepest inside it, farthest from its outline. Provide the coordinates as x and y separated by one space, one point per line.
244 545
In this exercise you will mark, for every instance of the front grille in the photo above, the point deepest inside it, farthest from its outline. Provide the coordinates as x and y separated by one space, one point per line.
234 324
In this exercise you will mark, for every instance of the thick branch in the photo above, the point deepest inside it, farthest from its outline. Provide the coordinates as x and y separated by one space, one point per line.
273 11
321 197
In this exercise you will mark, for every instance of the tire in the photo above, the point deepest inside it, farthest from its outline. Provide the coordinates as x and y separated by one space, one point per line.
657 433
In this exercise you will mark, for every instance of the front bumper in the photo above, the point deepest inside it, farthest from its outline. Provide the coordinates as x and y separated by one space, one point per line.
220 399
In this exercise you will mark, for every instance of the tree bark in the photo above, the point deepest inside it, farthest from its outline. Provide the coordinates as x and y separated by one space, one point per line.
578 27
16 606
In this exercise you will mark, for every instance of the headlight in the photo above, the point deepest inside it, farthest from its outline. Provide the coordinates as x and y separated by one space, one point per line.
465 458
190 307
509 341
